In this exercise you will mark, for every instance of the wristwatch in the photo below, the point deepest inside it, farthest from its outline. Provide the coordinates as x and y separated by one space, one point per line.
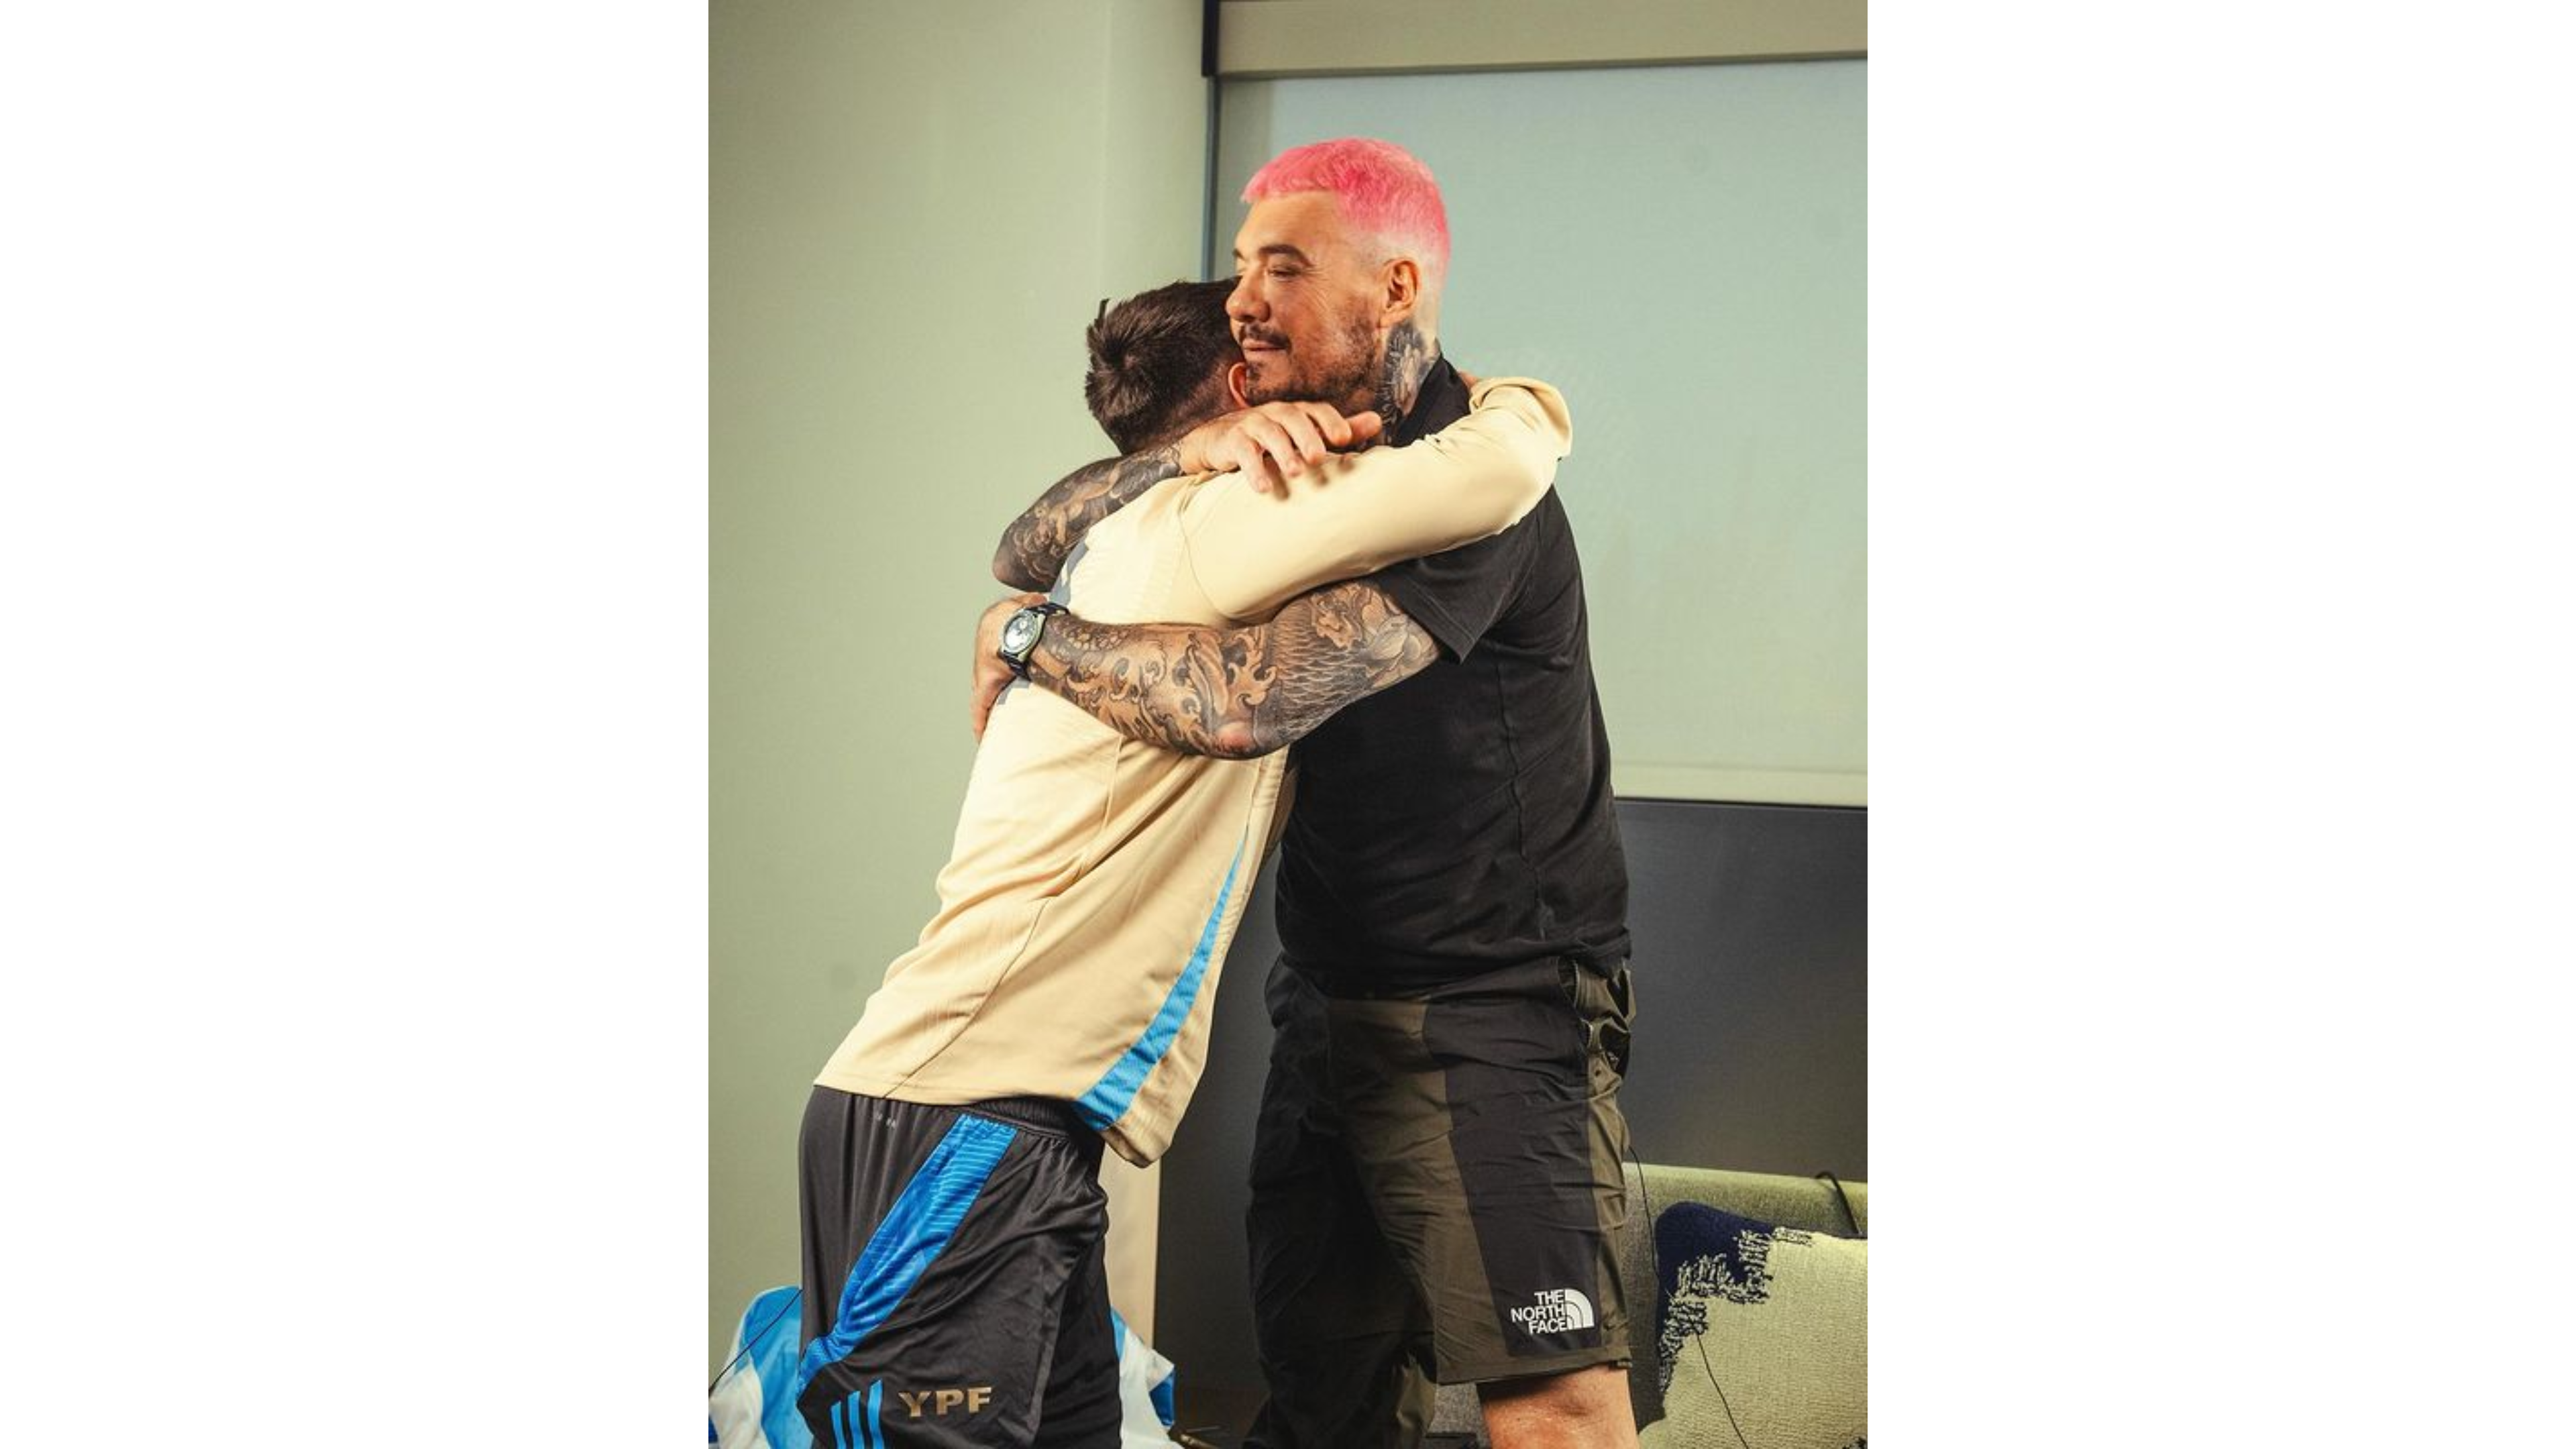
1020 635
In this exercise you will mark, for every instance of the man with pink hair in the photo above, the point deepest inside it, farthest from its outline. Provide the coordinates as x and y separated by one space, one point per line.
1436 1181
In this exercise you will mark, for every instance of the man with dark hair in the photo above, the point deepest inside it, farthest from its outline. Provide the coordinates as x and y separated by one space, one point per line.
1436 1187
1158 367
953 1219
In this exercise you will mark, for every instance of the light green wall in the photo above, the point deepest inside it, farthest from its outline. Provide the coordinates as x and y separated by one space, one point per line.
915 209
1684 250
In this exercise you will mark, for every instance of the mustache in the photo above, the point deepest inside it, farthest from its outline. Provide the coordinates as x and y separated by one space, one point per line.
1262 335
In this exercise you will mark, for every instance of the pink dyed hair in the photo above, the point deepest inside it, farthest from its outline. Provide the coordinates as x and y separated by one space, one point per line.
1384 191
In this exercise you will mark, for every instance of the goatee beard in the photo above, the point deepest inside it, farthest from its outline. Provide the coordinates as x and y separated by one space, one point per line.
1352 386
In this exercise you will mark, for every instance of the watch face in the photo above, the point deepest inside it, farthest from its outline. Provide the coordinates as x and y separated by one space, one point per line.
1019 633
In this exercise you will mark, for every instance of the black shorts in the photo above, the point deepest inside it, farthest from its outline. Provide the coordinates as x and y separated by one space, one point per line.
954 1287
1436 1194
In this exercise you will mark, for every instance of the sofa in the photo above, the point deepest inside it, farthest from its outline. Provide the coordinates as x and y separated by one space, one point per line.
1809 1339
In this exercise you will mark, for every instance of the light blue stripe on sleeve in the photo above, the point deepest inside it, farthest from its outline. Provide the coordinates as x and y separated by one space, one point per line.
876 1420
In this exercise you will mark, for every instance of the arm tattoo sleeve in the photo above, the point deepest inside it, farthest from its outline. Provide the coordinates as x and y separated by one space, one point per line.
1034 547
1235 693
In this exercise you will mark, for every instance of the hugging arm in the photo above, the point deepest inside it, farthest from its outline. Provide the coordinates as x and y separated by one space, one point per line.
1034 547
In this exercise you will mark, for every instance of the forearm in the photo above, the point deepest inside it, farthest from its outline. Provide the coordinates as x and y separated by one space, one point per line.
1473 480
1233 693
1036 544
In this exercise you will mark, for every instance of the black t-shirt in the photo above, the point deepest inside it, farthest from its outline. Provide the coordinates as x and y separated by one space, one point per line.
1461 821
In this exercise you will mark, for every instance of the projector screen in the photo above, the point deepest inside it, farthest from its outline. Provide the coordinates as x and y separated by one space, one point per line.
1682 250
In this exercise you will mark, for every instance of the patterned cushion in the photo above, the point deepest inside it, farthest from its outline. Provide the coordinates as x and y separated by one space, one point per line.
1762 1335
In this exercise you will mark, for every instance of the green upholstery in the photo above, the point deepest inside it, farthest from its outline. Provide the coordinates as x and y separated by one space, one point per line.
1793 1202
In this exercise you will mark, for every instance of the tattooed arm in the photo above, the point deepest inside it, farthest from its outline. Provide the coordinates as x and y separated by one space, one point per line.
1269 444
1234 693
1034 547
1248 556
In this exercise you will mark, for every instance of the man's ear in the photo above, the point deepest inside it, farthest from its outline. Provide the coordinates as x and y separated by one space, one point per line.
1234 380
1402 281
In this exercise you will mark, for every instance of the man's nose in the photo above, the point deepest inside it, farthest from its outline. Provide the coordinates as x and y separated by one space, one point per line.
1244 302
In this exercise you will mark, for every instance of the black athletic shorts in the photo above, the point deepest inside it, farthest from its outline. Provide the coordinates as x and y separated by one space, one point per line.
954 1288
1436 1194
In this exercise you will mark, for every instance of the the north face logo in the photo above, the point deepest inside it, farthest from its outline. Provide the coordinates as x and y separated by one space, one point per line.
1555 1310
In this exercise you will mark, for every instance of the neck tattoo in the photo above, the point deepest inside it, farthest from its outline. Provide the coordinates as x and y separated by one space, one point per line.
1409 356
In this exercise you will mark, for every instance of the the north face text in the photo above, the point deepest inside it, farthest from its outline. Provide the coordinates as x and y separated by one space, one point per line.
1557 1310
